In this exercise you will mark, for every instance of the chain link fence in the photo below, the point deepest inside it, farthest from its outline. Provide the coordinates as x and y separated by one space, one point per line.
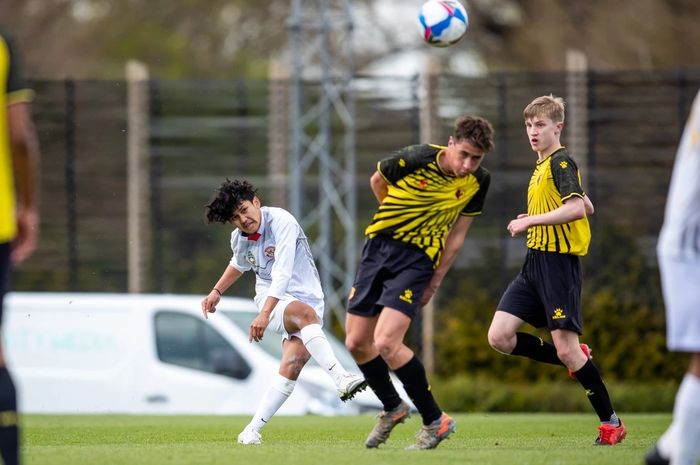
203 131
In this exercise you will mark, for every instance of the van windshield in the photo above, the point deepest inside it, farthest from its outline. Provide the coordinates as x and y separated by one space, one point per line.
273 345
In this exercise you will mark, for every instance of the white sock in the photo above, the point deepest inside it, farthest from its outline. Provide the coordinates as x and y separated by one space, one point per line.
686 413
278 392
318 346
668 441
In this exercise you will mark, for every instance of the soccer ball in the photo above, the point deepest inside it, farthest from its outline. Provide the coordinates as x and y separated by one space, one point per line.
443 22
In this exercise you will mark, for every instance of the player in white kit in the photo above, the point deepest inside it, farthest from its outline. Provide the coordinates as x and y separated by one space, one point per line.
270 242
679 262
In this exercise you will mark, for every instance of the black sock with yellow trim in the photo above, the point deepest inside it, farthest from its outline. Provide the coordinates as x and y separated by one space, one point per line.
415 381
376 373
597 393
531 346
9 433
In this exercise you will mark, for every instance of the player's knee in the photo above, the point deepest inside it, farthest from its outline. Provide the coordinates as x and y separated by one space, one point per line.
291 367
387 347
304 315
358 347
568 356
500 341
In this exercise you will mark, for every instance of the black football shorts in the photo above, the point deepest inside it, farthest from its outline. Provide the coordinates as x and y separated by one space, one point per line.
546 292
4 272
391 274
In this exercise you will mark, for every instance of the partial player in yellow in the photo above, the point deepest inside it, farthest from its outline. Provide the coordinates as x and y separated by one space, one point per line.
19 213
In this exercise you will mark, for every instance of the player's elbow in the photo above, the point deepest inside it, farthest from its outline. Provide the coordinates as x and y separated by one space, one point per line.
577 209
376 181
21 131
19 142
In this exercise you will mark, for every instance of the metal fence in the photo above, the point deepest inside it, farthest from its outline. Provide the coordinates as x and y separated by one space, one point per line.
204 131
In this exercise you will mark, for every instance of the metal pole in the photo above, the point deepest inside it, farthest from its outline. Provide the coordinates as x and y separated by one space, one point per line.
295 184
428 132
577 109
138 213
71 196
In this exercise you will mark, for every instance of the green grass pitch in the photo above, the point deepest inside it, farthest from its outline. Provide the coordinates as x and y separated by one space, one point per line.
483 439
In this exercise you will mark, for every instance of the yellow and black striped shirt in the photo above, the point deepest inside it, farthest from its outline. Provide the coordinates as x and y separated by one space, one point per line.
554 180
423 201
13 91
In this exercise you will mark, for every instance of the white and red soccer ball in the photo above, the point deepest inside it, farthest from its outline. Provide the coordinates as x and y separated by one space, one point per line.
443 22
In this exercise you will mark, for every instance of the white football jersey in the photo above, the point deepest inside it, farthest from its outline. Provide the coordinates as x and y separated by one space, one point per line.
280 256
680 235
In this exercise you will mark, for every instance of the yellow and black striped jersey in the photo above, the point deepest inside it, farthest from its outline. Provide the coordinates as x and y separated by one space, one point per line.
13 91
423 201
554 180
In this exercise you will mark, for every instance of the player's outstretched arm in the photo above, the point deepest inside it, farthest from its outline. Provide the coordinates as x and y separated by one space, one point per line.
260 322
24 145
573 209
209 303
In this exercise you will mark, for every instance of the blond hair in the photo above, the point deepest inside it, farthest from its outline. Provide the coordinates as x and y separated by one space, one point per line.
548 106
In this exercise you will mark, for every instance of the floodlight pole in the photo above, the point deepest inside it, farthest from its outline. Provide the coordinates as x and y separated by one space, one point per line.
322 188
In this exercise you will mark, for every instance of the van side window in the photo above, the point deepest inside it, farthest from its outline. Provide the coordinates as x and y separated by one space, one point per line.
189 342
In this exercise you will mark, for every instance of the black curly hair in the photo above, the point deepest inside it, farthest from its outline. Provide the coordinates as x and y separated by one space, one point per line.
228 197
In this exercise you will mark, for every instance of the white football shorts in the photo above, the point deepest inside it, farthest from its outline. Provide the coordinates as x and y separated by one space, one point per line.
277 315
681 287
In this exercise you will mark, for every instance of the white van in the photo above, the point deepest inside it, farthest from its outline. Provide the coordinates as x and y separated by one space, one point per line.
151 354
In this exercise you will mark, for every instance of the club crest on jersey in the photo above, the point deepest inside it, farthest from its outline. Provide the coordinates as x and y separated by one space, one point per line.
250 258
270 251
459 194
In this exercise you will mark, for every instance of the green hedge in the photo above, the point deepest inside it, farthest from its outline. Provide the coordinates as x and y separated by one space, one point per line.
481 394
